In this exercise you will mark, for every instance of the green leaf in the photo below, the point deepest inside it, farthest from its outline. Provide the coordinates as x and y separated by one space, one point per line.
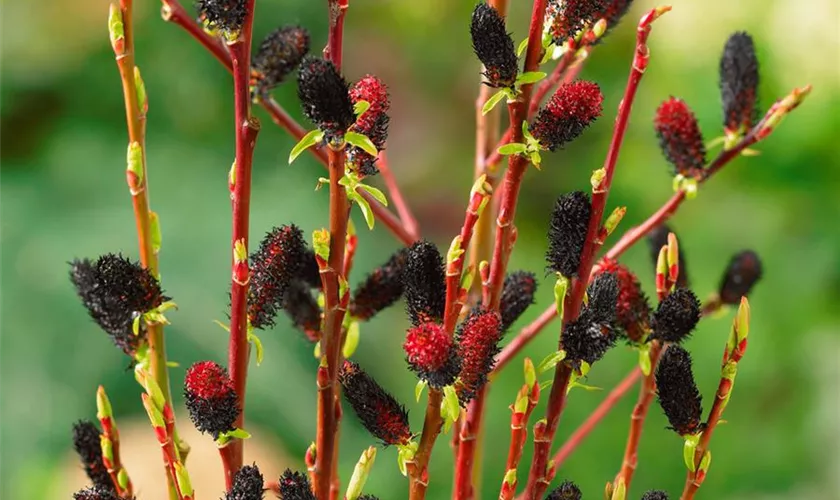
492 101
560 288
551 361
418 389
311 138
376 193
360 107
512 148
365 208
351 341
689 448
644 361
361 141
258 347
451 403
530 77
535 157
522 46
224 326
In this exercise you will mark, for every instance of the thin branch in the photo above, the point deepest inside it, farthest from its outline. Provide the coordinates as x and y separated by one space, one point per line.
407 218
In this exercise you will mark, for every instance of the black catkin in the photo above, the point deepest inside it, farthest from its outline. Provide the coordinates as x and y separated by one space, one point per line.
324 96
279 54
742 273
594 332
247 484
570 111
86 442
739 83
379 412
295 486
302 308
676 316
424 283
567 233
227 15
655 495
517 295
566 491
98 493
493 46
210 399
678 394
281 257
381 288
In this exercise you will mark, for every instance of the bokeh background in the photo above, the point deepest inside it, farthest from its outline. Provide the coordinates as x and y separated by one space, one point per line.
64 196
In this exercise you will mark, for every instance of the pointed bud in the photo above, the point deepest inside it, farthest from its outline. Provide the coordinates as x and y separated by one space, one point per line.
323 93
655 495
424 283
247 484
210 398
569 17
739 83
478 339
115 291
572 108
373 123
226 15
676 317
381 288
517 295
431 354
657 238
378 411
680 138
116 29
280 258
632 311
567 233
88 447
360 474
279 54
103 405
183 479
493 46
566 491
678 394
743 271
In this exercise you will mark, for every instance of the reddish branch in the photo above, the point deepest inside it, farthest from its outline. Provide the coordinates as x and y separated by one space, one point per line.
173 11
538 479
409 222
246 128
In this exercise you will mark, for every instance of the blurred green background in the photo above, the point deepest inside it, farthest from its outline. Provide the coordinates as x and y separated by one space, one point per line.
64 196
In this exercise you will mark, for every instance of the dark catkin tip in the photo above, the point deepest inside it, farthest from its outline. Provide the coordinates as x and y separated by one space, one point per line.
517 295
739 82
86 442
567 232
115 290
743 271
678 394
493 46
633 310
247 484
424 283
303 309
225 15
432 354
373 123
568 17
658 238
381 288
295 486
478 339
613 12
98 493
680 138
279 54
210 398
566 491
281 257
378 411
676 316
572 108
324 96
655 495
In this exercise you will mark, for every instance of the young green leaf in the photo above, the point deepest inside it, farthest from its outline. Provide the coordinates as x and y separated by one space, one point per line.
493 100
351 341
551 361
360 107
311 138
258 347
512 148
361 141
530 77
376 193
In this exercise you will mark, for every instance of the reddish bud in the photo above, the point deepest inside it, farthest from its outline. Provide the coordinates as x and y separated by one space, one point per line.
680 138
572 108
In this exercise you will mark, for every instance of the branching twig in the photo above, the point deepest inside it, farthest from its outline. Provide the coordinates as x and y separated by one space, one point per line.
407 218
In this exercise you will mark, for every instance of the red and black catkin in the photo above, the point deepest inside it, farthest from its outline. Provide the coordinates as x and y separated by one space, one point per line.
566 491
424 283
432 354
568 17
115 291
227 15
680 138
655 495
210 398
324 96
567 233
678 394
572 108
478 339
379 412
279 54
658 238
381 288
373 123
280 259
303 309
739 83
295 486
593 333
633 310
493 46
517 295
613 12
86 442
98 493
247 484
743 271
676 316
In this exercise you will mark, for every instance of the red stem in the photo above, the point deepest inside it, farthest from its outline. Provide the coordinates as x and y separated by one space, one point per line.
594 239
246 129
409 222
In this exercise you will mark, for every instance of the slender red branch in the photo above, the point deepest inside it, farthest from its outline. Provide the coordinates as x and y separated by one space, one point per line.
523 337
246 129
409 222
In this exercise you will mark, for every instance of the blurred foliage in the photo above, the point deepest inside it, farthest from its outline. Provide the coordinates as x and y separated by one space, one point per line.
64 196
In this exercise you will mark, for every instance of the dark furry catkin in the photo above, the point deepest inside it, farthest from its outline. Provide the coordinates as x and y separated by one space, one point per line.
424 283
678 394
493 46
567 232
378 411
